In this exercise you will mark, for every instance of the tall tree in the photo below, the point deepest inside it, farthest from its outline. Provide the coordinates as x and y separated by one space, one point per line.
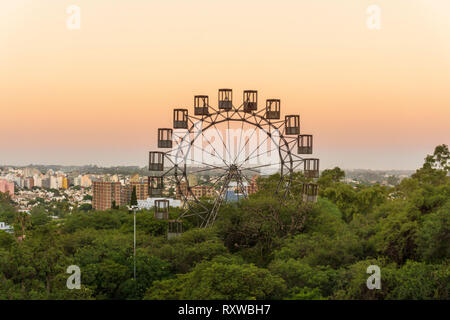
440 158
133 201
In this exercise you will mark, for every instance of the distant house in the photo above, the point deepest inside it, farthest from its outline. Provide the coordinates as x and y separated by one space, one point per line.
5 227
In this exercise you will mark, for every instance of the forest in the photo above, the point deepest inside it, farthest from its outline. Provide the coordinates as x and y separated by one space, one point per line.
263 247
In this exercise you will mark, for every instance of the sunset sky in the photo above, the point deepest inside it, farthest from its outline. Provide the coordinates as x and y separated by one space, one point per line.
377 99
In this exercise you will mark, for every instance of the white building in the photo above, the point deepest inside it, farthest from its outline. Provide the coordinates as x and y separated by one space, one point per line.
5 227
60 179
54 182
150 203
17 180
77 181
86 181
37 181
30 172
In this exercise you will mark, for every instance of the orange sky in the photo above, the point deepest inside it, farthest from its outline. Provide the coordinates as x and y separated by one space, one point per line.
373 99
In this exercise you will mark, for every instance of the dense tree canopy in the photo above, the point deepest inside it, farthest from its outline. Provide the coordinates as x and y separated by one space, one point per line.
265 247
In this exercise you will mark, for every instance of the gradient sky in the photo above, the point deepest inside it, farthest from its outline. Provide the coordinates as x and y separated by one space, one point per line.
373 99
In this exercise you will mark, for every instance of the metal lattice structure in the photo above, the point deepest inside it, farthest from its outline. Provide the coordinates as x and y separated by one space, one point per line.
225 169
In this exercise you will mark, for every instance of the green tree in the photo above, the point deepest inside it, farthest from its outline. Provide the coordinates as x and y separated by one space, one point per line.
221 278
7 210
433 239
435 169
440 158
352 281
30 268
299 275
133 201
421 281
194 246
148 270
329 177
39 216
85 207
396 237
6 240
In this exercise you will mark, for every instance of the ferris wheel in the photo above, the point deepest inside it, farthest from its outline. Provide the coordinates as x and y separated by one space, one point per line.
216 154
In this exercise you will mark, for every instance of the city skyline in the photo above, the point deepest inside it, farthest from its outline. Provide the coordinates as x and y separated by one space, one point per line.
373 99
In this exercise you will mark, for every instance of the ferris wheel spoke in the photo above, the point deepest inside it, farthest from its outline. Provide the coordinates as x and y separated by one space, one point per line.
167 156
179 143
242 187
217 203
215 111
257 149
183 156
209 169
261 166
218 179
177 156
290 141
277 129
239 108
240 139
198 214
215 154
283 132
222 115
238 111
228 136
298 158
195 146
252 170
260 111
276 125
284 145
214 149
242 115
297 165
248 181
214 184
194 210
190 117
223 142
258 155
167 172
248 115
273 123
203 163
233 109
258 171
251 135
